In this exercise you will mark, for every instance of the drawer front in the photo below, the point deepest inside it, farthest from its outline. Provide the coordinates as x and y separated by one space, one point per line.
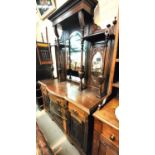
76 112
107 132
57 100
110 134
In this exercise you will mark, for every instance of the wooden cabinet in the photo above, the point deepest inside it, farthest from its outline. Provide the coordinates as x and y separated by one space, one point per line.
78 125
77 130
58 111
106 130
71 109
106 125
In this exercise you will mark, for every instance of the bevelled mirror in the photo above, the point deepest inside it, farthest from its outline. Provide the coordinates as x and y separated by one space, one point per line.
96 66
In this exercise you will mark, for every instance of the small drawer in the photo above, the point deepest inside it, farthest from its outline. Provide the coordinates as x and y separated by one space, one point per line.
110 134
75 111
58 100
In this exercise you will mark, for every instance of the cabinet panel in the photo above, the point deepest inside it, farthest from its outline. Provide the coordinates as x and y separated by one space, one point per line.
96 143
110 151
102 149
77 130
58 113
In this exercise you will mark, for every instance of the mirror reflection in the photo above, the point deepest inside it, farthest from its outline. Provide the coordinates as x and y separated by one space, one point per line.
75 49
73 55
96 67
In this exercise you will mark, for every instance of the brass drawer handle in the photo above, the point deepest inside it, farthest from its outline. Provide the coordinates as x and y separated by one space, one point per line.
112 137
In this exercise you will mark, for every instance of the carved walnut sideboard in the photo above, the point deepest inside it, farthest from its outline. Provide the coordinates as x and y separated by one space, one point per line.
72 110
85 53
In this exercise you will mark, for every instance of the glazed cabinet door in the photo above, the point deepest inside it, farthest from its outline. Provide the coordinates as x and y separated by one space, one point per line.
58 111
77 130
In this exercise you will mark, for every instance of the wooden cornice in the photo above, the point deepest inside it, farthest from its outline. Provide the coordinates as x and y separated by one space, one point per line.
72 7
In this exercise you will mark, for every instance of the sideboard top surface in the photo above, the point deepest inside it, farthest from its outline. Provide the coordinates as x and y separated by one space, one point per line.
85 100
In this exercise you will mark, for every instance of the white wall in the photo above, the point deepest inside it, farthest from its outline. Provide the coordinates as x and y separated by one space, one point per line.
105 12
41 28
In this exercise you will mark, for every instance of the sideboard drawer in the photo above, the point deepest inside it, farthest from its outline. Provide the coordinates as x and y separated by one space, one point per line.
57 100
110 134
76 112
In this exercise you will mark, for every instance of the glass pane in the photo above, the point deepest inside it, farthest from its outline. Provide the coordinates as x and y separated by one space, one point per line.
75 49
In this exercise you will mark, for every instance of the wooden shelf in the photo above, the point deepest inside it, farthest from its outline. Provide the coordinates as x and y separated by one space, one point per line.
98 37
116 84
117 60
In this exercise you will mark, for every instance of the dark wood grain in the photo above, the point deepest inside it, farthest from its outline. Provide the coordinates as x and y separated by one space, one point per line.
106 130
86 100
72 7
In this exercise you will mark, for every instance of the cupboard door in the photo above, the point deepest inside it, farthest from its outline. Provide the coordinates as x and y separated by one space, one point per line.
77 130
106 148
111 151
96 143
102 148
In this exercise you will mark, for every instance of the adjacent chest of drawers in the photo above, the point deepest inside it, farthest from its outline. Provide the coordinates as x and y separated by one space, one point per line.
106 131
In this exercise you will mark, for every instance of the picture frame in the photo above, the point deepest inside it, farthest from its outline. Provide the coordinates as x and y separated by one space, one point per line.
45 8
44 53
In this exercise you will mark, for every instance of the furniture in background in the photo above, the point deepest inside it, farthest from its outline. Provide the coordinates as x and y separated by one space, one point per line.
106 130
44 68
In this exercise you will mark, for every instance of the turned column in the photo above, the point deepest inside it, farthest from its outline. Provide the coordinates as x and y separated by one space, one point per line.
82 70
59 53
